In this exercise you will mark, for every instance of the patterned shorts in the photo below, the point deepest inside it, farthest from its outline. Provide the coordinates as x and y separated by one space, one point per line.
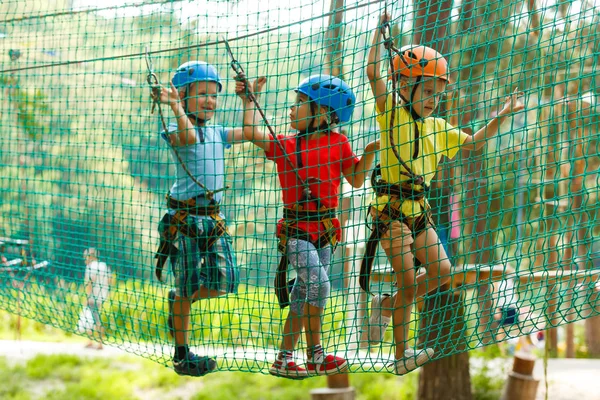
214 269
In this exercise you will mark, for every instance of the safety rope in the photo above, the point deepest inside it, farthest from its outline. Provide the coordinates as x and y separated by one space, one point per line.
388 43
241 77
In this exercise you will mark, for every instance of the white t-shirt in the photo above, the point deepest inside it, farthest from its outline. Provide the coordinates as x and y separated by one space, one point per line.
100 275
507 295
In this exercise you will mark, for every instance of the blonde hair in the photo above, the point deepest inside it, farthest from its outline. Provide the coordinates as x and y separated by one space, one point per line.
91 252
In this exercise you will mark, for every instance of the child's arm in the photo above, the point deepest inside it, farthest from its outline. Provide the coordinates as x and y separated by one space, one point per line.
378 85
186 131
252 132
357 174
479 139
236 135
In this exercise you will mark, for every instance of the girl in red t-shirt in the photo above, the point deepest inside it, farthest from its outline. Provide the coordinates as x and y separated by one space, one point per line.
310 165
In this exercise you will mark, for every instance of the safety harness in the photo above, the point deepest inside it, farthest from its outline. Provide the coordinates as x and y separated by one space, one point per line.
170 224
392 212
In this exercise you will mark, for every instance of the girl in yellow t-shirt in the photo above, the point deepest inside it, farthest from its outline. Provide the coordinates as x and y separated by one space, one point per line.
400 209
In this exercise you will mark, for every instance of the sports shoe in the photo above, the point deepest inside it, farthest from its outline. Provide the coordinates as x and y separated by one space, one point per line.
170 301
287 369
194 365
377 322
330 365
412 360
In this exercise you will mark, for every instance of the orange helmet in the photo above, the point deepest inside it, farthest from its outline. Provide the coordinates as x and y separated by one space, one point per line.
418 61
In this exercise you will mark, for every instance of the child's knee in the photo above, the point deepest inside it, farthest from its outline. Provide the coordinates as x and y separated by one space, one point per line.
318 293
296 306
407 295
445 269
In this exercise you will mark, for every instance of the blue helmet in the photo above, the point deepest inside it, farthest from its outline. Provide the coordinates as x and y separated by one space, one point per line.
330 91
196 71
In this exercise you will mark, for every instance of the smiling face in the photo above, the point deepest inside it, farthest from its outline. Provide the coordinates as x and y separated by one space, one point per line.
427 95
301 114
201 99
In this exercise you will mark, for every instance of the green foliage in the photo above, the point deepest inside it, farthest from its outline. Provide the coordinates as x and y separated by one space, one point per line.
31 107
60 377
488 382
13 386
65 376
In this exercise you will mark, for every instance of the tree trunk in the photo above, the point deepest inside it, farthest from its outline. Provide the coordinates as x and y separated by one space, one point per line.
592 325
578 217
448 378
592 333
534 17
432 24
333 37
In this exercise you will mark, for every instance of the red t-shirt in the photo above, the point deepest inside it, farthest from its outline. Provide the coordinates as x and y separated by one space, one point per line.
324 158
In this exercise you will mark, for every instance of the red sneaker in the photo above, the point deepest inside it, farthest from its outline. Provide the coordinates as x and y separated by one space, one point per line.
330 365
287 370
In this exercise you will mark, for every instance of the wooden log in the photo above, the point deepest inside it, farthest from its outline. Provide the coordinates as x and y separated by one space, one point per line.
338 381
520 387
471 274
520 384
442 327
338 388
333 394
523 363
553 276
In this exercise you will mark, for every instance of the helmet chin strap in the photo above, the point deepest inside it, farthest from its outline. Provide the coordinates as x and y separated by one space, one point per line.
195 120
310 128
409 104
416 117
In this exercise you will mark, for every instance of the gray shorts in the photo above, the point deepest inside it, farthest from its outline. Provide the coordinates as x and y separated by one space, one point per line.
312 283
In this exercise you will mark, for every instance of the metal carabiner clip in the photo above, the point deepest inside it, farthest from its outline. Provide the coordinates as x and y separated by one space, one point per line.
153 81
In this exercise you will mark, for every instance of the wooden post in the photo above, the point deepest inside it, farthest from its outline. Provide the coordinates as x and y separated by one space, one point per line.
551 322
442 318
520 384
338 388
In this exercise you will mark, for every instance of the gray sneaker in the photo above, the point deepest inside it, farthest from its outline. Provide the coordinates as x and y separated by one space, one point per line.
194 365
377 322
412 360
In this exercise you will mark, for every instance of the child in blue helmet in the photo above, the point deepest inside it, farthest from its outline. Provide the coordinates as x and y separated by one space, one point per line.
317 156
193 232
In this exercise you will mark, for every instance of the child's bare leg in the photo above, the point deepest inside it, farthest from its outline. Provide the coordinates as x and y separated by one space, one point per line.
181 319
291 331
205 293
181 312
432 256
100 329
285 365
430 252
312 322
403 265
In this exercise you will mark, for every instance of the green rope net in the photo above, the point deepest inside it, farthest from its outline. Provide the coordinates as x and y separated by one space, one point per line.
83 166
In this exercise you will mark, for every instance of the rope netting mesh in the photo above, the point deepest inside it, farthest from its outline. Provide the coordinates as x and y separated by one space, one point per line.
83 165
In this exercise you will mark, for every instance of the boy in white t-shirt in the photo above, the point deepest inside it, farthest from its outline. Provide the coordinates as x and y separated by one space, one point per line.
97 287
